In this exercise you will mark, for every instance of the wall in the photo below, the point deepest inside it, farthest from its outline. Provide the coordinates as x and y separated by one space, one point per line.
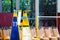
58 10
6 19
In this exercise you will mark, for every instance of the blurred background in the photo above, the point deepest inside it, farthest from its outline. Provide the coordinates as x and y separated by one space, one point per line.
46 8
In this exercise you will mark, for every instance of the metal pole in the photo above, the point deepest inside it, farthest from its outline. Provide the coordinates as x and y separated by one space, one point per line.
0 5
37 7
37 14
17 4
11 5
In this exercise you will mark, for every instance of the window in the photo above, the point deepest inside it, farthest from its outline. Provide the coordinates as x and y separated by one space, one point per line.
8 5
47 7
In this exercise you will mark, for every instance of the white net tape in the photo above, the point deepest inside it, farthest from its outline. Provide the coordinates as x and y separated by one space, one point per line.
49 16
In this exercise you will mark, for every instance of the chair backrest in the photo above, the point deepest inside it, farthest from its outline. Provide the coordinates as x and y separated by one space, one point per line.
20 33
33 31
7 33
41 32
1 33
26 33
55 31
48 31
